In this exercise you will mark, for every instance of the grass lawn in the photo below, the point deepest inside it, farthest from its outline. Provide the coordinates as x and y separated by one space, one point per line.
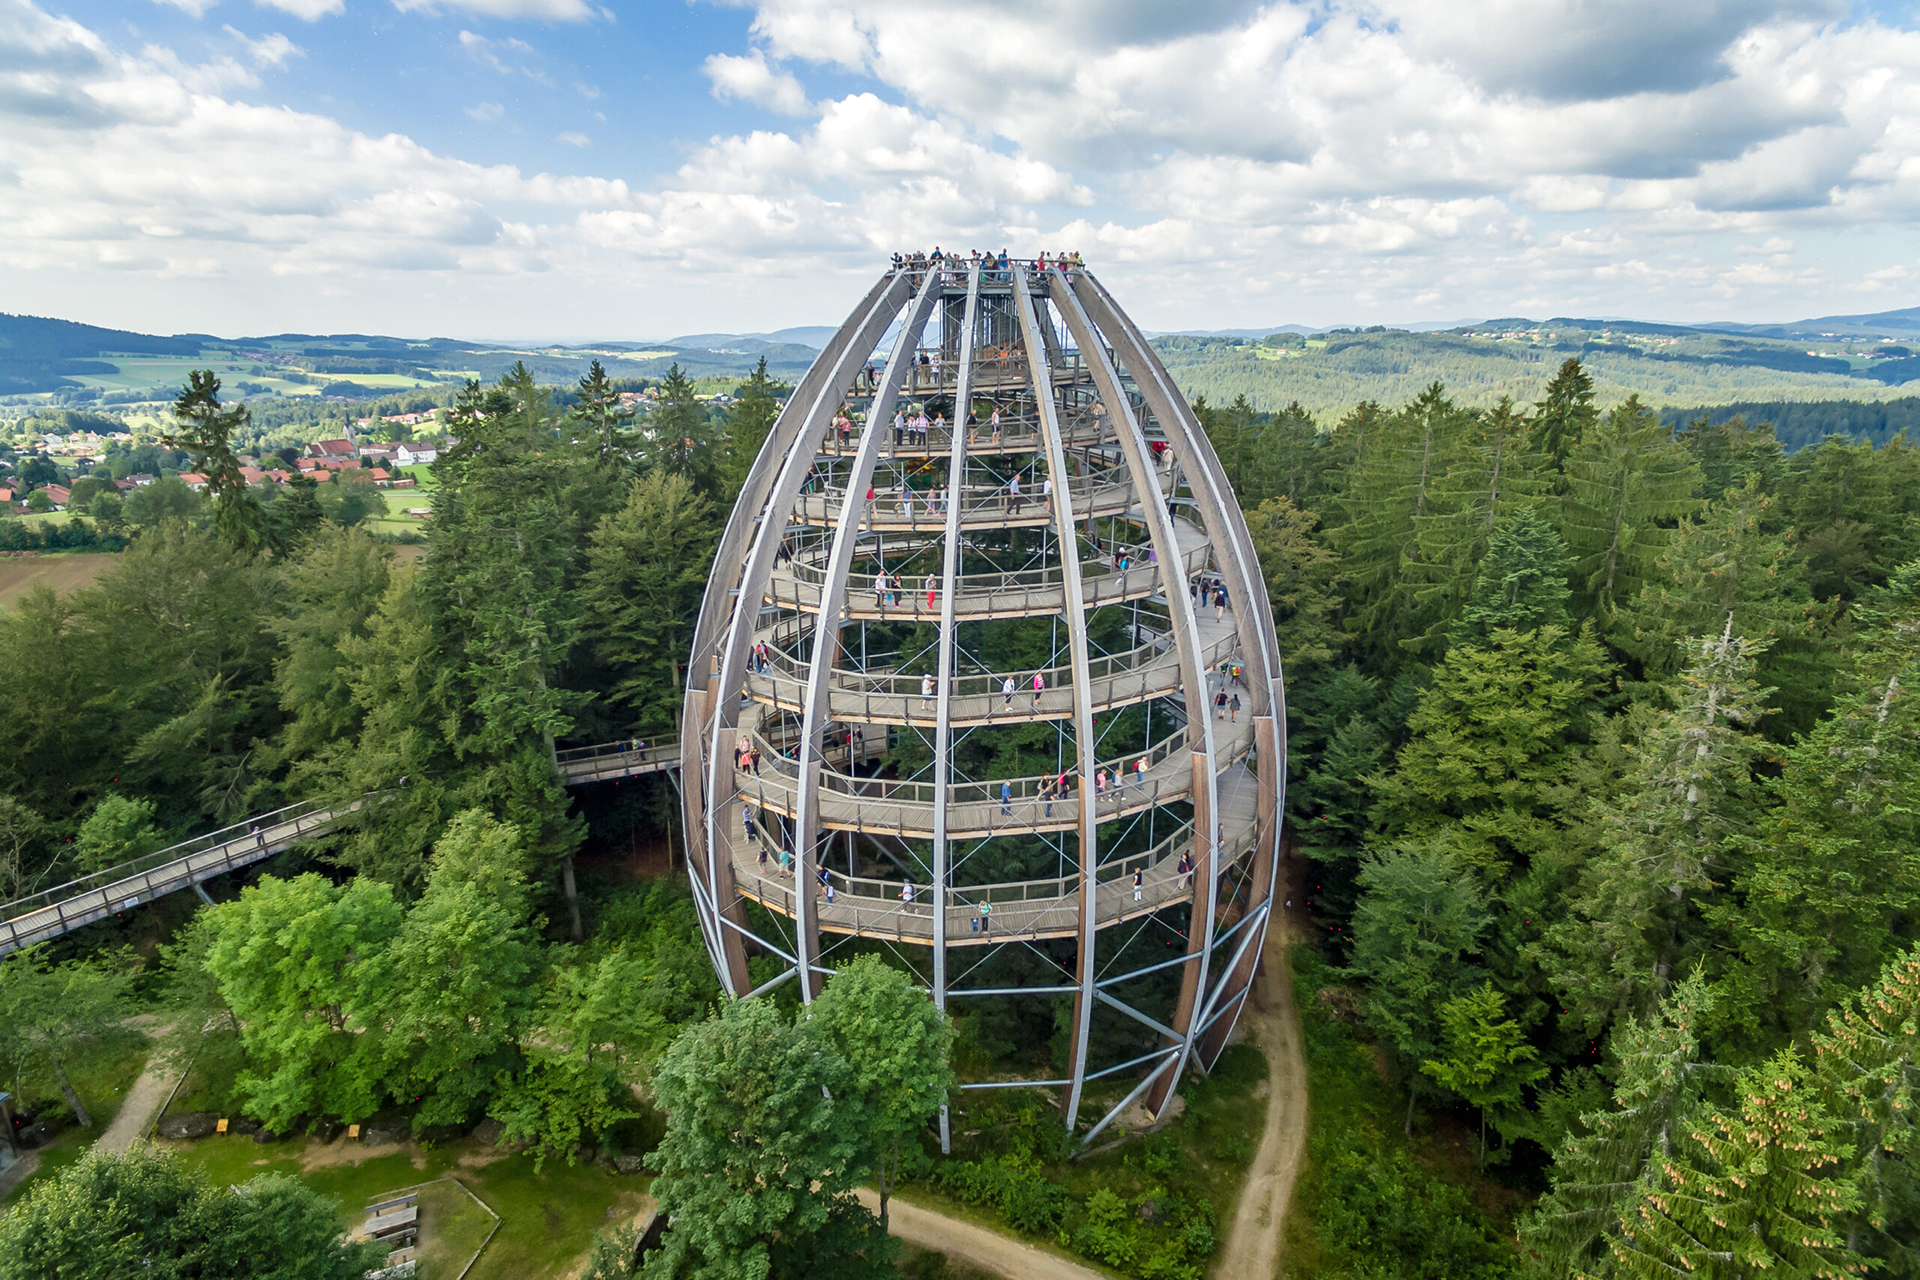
548 1218
452 1227
102 1078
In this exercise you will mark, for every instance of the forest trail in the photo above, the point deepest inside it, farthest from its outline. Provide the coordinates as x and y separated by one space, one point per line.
141 1107
975 1246
1256 1237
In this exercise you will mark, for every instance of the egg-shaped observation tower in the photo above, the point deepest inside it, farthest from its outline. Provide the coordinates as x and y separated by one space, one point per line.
986 677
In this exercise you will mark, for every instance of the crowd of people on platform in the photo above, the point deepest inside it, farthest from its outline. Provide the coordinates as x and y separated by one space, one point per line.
997 267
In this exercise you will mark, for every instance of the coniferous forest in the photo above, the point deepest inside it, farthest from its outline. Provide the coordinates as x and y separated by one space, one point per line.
1604 780
1602 764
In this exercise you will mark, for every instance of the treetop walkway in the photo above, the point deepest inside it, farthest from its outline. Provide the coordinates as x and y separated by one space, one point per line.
52 912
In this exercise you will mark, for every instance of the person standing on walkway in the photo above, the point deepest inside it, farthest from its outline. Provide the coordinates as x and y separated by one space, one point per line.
899 427
1233 709
926 692
1006 797
1140 772
1220 705
880 591
986 914
1006 689
1013 494
906 892
1136 885
1039 683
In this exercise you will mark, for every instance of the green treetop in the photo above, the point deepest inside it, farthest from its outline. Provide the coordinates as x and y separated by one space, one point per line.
1565 415
1628 482
899 1047
1637 920
1484 1054
205 430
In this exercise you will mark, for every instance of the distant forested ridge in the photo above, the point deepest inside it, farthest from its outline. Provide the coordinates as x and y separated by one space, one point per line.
1797 424
1665 366
40 354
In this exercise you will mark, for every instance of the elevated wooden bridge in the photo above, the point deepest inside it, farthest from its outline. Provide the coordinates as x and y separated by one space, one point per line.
63 908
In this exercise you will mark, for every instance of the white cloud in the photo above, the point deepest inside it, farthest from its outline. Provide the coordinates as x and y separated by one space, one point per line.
1222 161
267 51
536 10
306 10
750 79
195 8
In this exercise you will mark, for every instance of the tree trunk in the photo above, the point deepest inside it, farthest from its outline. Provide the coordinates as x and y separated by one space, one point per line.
886 1182
1407 1130
573 901
73 1096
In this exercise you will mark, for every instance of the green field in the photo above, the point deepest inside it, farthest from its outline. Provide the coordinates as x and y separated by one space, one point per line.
547 1218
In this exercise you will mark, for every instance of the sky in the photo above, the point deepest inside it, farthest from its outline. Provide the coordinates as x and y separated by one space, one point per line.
570 170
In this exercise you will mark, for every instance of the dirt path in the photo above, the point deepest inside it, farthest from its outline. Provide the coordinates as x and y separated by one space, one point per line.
1257 1234
137 1112
976 1246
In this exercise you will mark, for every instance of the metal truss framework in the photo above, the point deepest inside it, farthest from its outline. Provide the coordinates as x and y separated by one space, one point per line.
1017 460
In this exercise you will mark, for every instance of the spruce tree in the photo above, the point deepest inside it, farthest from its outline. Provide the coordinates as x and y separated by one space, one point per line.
1494 473
1565 414
1868 1063
1663 844
1831 882
749 423
205 430
1628 482
680 435
1750 1189
1724 562
1521 584
1659 1084
1729 451
1420 917
1388 494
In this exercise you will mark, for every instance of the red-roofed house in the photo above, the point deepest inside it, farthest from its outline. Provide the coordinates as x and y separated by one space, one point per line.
193 480
332 449
59 495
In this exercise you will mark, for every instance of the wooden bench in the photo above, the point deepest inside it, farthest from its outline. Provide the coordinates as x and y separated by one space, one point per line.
397 1202
381 1226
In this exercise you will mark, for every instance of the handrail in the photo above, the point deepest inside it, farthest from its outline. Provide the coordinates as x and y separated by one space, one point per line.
25 921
